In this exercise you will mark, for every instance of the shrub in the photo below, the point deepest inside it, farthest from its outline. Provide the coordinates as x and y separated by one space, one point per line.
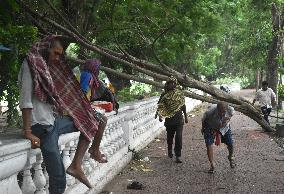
281 91
137 91
244 81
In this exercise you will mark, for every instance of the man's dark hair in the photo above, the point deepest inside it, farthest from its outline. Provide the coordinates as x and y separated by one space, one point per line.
169 85
55 42
264 83
222 105
60 41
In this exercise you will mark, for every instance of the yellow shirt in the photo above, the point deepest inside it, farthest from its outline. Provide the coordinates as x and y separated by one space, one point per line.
110 86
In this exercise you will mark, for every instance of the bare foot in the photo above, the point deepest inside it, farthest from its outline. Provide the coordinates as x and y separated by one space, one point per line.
97 156
78 174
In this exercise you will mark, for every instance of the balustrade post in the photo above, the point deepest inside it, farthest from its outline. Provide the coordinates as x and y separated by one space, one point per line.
108 138
39 178
113 142
28 186
67 161
128 124
117 136
121 141
103 144
86 163
47 180
73 147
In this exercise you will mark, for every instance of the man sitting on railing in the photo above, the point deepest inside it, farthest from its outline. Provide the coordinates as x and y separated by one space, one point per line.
47 82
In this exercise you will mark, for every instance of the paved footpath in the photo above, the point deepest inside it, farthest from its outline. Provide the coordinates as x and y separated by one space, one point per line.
260 164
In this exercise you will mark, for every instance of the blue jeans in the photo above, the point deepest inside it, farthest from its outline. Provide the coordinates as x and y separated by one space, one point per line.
49 135
266 112
226 139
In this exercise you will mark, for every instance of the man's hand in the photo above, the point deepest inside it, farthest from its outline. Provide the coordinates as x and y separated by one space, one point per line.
273 102
35 141
225 122
116 111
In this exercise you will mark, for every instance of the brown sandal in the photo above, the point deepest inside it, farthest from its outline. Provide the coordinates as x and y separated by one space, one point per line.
211 170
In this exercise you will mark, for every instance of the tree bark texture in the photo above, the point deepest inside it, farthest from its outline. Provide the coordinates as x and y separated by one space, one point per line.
274 47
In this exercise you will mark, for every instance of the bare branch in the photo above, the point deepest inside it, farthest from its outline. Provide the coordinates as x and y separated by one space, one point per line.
153 49
37 24
65 20
114 36
141 33
122 75
96 49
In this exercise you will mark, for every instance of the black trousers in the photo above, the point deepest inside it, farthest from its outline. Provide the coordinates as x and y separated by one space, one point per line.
175 130
266 112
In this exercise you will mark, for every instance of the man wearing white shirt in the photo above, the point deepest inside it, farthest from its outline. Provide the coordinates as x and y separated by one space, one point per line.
265 96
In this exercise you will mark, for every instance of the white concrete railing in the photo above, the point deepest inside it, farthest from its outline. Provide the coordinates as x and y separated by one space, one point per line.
134 127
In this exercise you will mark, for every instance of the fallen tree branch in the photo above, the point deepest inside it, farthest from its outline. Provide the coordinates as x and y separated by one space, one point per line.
158 73
255 115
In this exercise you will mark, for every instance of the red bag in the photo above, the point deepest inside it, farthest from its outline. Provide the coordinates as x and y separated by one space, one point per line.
107 106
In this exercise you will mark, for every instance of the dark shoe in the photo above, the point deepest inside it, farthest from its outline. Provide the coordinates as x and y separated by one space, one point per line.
232 162
135 185
178 160
170 154
211 170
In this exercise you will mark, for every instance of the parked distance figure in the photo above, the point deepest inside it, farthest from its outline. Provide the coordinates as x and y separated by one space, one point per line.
225 88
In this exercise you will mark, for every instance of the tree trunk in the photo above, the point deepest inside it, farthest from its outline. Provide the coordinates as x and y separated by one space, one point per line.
261 76
272 63
258 81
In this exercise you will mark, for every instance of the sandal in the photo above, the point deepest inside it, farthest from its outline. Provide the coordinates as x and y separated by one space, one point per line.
232 162
211 170
135 185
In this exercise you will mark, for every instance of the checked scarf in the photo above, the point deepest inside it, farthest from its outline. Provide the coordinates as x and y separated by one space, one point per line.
56 84
171 101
